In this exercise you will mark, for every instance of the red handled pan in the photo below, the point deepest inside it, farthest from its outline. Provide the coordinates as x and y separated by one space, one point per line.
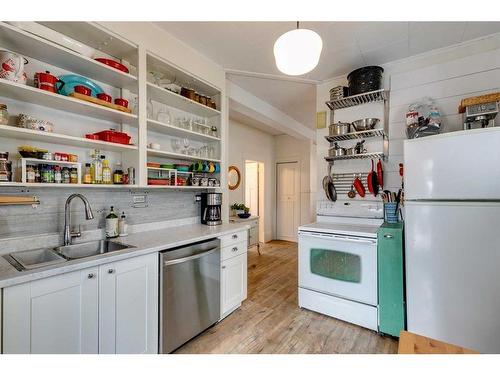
372 181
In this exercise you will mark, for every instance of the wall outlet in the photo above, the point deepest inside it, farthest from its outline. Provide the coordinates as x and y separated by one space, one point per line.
139 200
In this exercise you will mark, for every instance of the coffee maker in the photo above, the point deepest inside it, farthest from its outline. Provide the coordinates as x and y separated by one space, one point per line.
211 208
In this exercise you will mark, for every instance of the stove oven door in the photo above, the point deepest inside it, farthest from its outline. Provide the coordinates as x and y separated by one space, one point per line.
342 266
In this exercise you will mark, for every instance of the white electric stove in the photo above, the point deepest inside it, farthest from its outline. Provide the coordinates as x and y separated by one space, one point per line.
338 261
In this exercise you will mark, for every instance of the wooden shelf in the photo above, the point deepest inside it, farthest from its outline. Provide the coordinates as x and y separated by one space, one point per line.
30 45
172 99
175 131
174 155
44 98
62 139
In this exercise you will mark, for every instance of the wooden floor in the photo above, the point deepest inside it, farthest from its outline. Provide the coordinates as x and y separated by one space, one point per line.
270 321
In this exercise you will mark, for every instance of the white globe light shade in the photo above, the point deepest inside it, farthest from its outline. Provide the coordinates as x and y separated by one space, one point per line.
297 51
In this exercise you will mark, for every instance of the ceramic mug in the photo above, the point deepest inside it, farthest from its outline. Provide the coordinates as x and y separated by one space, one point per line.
211 167
198 167
12 66
217 168
206 168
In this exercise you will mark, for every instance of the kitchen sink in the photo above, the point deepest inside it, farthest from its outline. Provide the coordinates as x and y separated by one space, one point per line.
31 259
88 249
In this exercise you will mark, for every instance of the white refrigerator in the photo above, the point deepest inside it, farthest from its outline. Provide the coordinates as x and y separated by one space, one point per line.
452 237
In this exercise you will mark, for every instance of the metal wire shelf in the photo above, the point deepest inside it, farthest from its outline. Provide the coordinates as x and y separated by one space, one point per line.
370 155
351 101
356 135
343 181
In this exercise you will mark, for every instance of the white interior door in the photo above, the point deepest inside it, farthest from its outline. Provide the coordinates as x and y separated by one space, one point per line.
287 201
252 187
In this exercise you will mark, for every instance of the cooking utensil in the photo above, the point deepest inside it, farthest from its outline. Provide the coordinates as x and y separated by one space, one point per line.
351 193
84 90
372 181
328 186
365 124
113 64
12 66
340 128
72 80
358 185
48 82
365 79
380 174
359 148
336 150
122 102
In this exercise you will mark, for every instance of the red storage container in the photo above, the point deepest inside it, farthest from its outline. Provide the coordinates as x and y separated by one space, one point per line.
113 136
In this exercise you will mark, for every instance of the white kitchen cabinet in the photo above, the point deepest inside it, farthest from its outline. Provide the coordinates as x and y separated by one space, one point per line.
233 283
58 314
128 306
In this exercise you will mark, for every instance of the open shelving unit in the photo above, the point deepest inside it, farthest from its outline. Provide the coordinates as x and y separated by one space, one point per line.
53 56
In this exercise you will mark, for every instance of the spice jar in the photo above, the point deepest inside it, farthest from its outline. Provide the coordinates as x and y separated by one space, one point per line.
73 176
118 175
87 177
57 174
4 114
30 173
66 176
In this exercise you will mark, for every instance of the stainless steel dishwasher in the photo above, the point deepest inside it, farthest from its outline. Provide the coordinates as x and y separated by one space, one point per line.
189 292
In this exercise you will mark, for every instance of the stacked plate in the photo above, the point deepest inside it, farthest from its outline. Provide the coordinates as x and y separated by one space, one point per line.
338 92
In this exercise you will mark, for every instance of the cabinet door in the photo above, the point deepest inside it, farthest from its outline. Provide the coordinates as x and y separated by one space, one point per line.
233 283
128 306
56 315
391 309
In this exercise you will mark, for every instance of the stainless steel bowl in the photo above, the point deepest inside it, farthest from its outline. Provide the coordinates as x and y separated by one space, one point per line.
365 124
340 128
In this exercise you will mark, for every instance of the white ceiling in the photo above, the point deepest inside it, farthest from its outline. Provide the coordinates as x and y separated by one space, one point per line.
248 46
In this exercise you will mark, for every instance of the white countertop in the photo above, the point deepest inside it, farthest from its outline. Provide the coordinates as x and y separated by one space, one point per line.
236 219
144 242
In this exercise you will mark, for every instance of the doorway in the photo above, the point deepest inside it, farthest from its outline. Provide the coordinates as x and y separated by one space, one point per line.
287 200
254 192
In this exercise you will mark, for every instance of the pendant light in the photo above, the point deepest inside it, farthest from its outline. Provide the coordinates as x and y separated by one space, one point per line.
297 51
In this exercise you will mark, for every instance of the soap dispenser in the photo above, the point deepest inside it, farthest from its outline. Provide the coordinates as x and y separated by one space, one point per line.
122 225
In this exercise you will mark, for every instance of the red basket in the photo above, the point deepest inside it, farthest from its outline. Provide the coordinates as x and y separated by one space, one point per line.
114 137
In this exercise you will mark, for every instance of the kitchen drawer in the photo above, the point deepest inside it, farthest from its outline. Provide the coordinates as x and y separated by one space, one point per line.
234 250
233 238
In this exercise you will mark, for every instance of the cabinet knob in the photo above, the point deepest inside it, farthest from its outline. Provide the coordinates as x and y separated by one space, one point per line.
91 275
235 236
234 249
388 236
223 267
111 270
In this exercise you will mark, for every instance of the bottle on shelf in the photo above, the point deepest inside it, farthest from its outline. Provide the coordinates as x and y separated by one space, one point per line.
96 167
122 225
57 175
111 224
87 176
106 173
118 174
66 178
73 176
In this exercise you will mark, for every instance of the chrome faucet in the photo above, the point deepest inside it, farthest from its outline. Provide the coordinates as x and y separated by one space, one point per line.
68 234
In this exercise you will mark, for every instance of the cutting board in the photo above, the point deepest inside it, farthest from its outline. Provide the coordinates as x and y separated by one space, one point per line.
481 99
15 199
100 102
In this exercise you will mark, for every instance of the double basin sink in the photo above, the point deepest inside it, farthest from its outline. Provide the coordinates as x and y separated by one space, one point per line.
32 259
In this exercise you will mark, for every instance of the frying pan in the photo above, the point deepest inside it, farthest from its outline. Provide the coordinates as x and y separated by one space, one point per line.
380 174
372 181
358 185
328 186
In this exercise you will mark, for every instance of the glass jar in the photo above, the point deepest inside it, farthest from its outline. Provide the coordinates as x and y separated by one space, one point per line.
57 174
73 176
87 177
66 176
4 114
118 175
44 174
30 173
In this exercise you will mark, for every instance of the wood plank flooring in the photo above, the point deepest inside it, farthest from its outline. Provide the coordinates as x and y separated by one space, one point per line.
270 321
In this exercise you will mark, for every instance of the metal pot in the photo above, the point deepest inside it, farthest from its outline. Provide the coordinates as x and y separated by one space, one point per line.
340 128
336 150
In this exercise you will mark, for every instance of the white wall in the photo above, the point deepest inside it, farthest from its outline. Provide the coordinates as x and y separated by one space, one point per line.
446 77
303 151
248 143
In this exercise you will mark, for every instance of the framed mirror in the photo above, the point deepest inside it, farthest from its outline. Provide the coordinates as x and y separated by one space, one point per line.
233 177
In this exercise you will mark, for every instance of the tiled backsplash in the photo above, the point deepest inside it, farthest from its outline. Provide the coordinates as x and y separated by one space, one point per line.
48 217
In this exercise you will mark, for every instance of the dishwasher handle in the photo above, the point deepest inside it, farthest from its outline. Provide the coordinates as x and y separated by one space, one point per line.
191 257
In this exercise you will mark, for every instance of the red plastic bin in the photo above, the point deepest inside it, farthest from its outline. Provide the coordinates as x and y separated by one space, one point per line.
114 137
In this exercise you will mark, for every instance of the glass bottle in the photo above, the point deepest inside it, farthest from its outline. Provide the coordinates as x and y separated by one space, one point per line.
57 174
118 174
73 176
97 167
87 176
106 172
30 173
66 176
111 224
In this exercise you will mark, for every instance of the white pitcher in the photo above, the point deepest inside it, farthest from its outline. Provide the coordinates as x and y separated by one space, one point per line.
12 66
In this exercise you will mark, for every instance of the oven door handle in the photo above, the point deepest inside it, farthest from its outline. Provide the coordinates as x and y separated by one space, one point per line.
340 238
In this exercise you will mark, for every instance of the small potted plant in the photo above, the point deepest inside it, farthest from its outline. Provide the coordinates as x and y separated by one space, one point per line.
241 210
